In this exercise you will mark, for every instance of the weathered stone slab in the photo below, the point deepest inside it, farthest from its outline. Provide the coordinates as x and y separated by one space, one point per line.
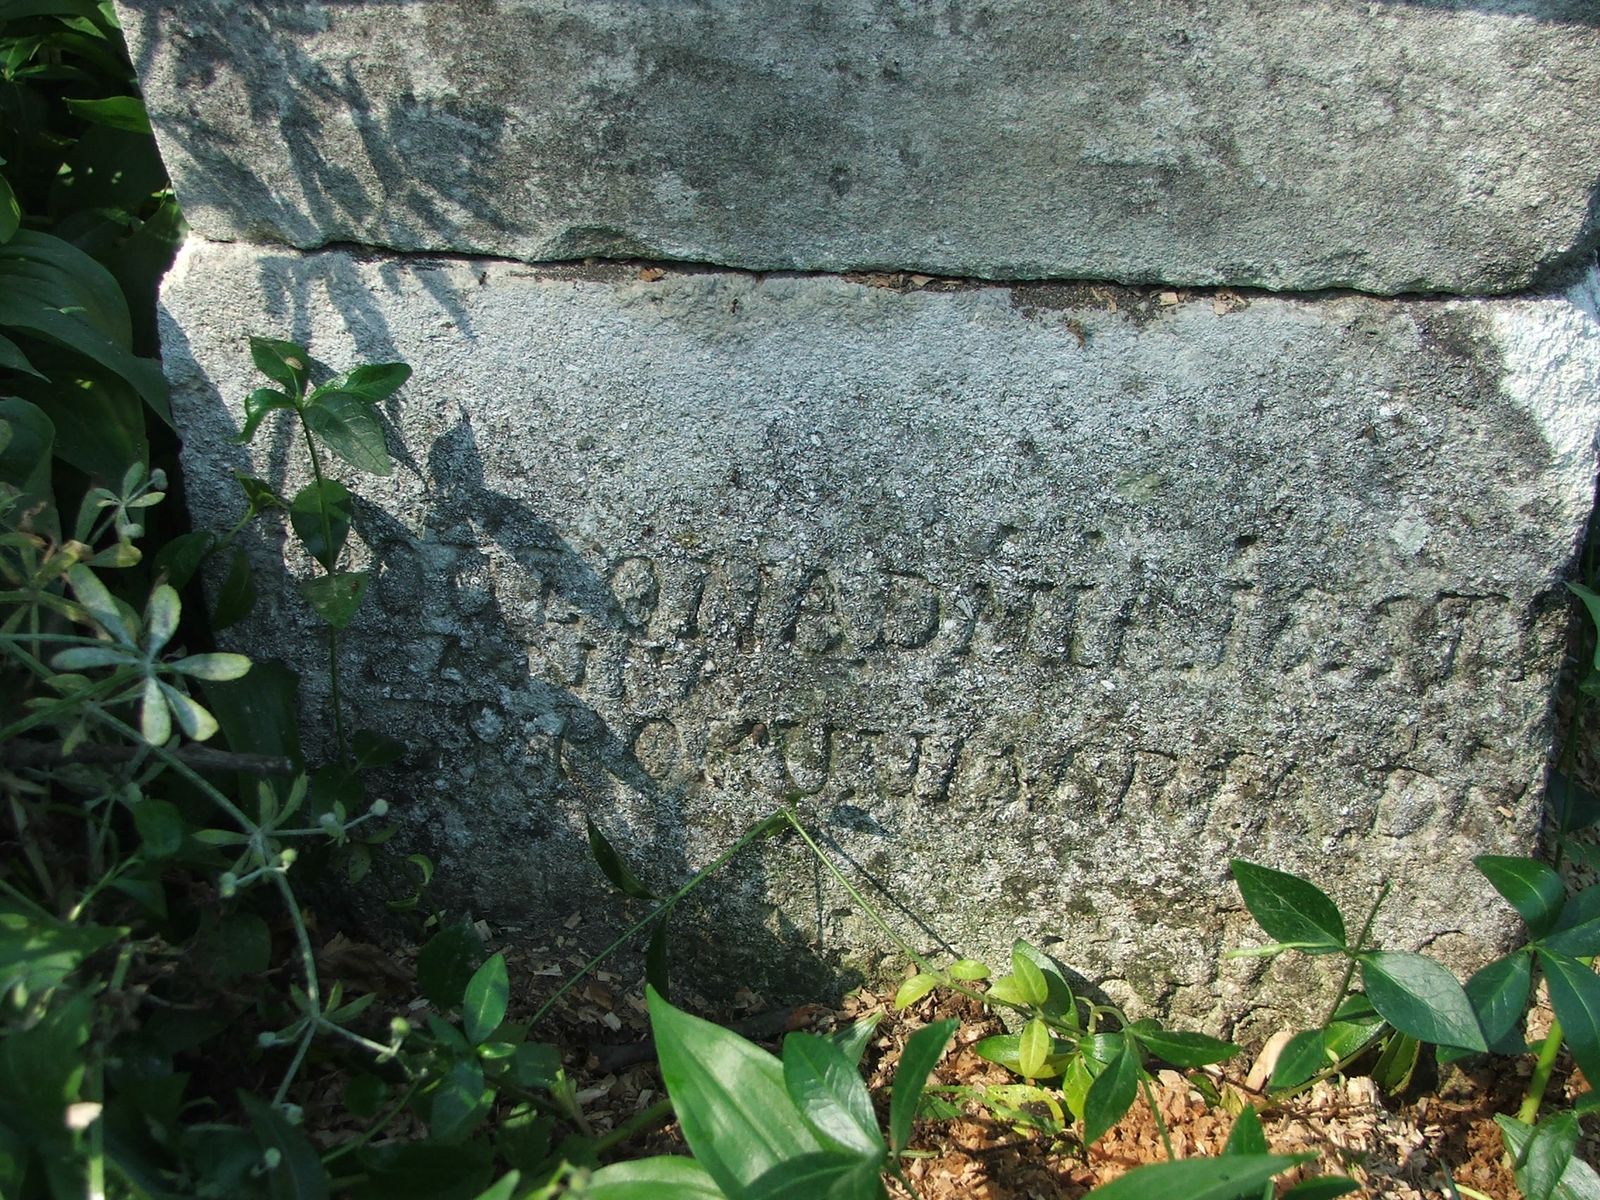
1388 146
1041 601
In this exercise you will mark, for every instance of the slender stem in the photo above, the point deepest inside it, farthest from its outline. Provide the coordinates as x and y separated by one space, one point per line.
49 712
1543 1066
638 1123
333 694
351 1035
333 634
860 900
899 1173
757 830
31 851
308 964
1361 940
377 1126
905 947
1155 1111
96 1182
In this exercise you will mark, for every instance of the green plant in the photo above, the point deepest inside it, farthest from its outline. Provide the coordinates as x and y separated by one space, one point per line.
1100 1057
1409 1001
335 410
141 853
762 1129
87 226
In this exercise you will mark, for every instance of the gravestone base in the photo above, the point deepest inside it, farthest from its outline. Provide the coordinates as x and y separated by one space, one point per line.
1038 602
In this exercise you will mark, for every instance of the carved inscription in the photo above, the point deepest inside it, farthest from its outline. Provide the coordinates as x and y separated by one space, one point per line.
898 692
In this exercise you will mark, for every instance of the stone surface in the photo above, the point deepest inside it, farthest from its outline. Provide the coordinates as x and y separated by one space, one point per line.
1389 146
1041 601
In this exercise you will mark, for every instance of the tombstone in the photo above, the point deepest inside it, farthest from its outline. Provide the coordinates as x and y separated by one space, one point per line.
885 488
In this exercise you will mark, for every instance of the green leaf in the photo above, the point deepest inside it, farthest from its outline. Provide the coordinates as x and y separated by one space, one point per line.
1030 979
285 363
196 723
374 749
445 966
1392 1072
39 952
98 603
1200 1178
258 494
240 944
350 429
364 1095
664 1178
658 954
1058 1001
426 1170
1302 1056
217 667
1076 1080
1247 1136
298 1174
25 464
914 989
522 1137
536 1065
483 1006
155 716
160 827
10 222
370 383
1179 1048
922 1053
820 1177
1355 1024
181 557
320 514
256 407
613 867
832 1099
1008 989
1577 929
1005 1049
1111 1094
1289 908
1499 996
1033 1048
460 1102
260 714
119 112
12 358
336 598
729 1097
1530 887
967 970
853 1041
1577 1181
1575 807
1543 1160
1419 997
503 1188
1323 1187
53 290
1575 996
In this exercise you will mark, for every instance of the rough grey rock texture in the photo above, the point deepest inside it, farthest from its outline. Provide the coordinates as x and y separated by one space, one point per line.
1041 601
1389 146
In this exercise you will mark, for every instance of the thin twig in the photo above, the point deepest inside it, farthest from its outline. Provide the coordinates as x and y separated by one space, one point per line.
201 758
